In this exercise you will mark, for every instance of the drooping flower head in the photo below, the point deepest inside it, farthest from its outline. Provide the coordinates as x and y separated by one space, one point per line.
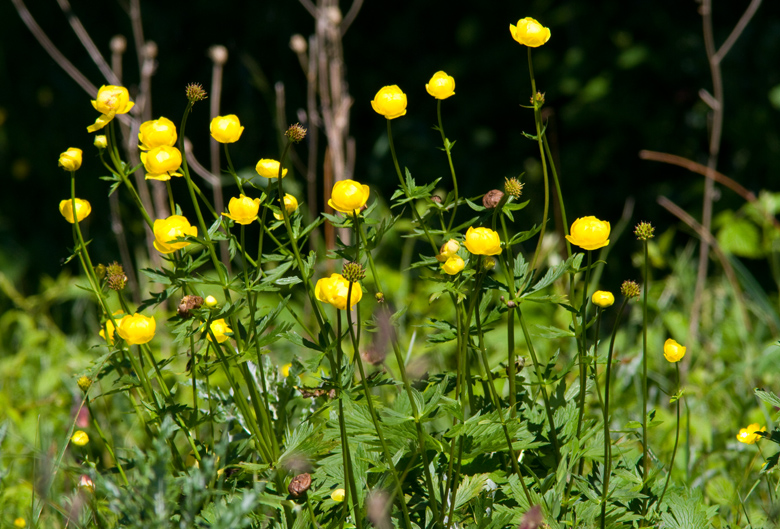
269 168
136 329
226 129
334 290
83 209
748 435
70 160
529 32
167 230
290 204
161 163
243 209
602 299
390 102
589 233
441 85
110 101
156 133
482 241
673 351
348 196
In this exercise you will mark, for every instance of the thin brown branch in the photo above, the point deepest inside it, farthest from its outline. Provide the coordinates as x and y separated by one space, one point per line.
309 7
737 31
349 18
89 45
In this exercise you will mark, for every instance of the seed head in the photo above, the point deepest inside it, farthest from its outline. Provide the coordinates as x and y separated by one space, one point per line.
644 231
630 289
296 133
492 198
84 383
513 187
353 272
195 93
115 276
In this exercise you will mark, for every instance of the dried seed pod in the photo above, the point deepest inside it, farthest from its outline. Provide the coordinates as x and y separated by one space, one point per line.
492 198
299 485
189 303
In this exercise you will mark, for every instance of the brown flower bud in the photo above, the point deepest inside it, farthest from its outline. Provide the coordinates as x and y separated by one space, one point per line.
115 276
187 304
436 199
299 485
492 198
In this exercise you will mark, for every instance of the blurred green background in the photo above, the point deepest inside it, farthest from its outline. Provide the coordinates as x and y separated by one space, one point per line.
619 76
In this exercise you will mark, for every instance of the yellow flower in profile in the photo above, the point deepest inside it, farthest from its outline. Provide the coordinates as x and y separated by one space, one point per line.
748 435
290 204
334 290
220 329
338 495
70 160
453 265
136 329
441 85
529 32
243 209
589 233
110 327
269 168
156 133
20 522
110 101
83 209
79 438
101 142
673 351
390 102
226 129
602 299
174 227
348 196
482 241
447 250
162 162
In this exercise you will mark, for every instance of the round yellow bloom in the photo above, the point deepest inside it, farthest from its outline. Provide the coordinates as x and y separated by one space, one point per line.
269 168
101 142
219 328
110 101
174 227
243 209
334 290
589 233
447 250
748 435
453 265
338 495
290 204
110 328
482 241
441 85
285 370
20 522
162 162
348 196
83 209
70 160
226 129
136 329
602 298
79 438
529 32
390 102
211 301
156 133
673 351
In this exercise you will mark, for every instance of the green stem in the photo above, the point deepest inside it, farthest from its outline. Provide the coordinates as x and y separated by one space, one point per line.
582 346
676 440
558 191
448 150
645 459
232 170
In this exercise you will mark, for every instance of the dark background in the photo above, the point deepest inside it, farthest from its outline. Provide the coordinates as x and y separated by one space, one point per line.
619 76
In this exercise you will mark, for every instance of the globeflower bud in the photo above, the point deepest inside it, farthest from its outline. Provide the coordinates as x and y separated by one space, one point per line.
630 289
673 351
70 160
167 230
101 142
488 264
529 32
269 168
453 265
602 299
492 198
441 86
162 162
338 495
348 196
390 102
513 187
482 241
644 231
335 289
589 233
290 204
156 133
83 209
110 101
137 329
79 438
100 271
296 133
226 129
243 210
211 302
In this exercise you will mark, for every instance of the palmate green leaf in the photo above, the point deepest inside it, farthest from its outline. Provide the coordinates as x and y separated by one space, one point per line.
305 444
688 511
768 397
469 488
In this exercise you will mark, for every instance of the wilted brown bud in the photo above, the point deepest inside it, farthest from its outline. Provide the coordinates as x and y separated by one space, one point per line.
436 199
299 485
187 304
115 276
118 44
492 198
373 356
380 298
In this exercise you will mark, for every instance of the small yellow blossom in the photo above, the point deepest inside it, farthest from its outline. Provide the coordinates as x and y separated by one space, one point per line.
136 329
673 351
338 495
390 102
453 265
83 209
290 204
174 227
441 86
482 241
79 438
70 160
285 370
211 301
334 290
157 133
748 435
101 142
348 196
243 209
529 32
447 250
269 168
589 233
21 523
162 162
110 101
226 129
219 328
602 299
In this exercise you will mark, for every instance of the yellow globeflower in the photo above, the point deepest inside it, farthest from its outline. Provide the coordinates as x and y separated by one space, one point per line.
79 438
589 233
136 329
334 290
269 168
748 435
453 265
529 32
482 241
348 196
243 209
70 160
174 227
226 129
338 495
441 85
156 133
447 250
101 142
83 209
290 204
390 102
219 328
162 162
603 299
110 101
673 351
